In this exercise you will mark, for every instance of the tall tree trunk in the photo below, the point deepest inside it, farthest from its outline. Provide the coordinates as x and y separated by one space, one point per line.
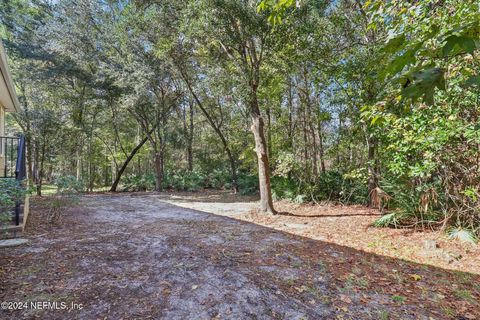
36 167
41 171
372 175
190 140
305 140
79 163
159 170
266 201
233 170
315 150
320 145
269 132
290 114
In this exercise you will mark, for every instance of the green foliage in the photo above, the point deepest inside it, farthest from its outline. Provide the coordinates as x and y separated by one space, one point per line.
68 190
438 35
286 164
140 182
399 299
328 186
248 183
218 179
307 65
68 185
184 180
463 235
284 188
11 192
389 219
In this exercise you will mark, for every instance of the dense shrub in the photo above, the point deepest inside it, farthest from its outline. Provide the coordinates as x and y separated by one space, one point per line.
142 182
68 189
69 185
11 192
248 183
431 164
284 188
329 186
219 179
184 180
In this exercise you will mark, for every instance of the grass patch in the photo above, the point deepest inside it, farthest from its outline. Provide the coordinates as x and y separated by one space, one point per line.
400 299
463 294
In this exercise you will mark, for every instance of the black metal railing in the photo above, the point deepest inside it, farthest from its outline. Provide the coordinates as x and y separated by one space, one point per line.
20 164
8 156
12 155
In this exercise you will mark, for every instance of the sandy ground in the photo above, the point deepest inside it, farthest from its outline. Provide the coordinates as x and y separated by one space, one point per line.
344 225
135 256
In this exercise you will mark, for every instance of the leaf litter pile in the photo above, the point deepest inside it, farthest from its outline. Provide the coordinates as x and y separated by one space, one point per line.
137 257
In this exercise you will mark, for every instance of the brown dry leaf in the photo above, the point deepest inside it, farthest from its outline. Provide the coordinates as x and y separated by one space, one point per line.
415 277
345 298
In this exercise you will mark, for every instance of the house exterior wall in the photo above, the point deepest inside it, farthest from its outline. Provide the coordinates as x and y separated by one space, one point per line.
2 134
2 121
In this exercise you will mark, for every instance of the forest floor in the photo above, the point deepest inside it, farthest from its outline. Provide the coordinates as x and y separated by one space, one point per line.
350 226
146 256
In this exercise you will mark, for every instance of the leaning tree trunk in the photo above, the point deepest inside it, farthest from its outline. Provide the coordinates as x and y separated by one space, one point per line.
119 173
233 169
218 131
266 202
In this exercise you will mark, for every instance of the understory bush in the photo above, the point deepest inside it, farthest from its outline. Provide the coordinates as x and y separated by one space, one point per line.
140 182
431 171
432 204
219 179
68 190
329 186
11 192
247 183
184 180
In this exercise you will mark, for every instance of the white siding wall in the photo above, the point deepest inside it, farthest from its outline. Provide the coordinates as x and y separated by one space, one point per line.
2 142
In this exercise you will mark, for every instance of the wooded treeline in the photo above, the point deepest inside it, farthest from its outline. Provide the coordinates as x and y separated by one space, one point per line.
357 102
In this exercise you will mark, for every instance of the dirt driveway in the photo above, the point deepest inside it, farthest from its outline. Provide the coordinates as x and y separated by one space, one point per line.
137 257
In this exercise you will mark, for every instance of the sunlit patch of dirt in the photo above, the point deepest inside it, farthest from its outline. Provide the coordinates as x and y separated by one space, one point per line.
352 226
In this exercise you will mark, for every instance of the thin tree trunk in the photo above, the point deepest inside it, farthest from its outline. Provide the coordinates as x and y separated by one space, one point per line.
305 139
269 132
372 176
315 151
40 173
159 170
220 134
320 144
190 141
79 164
233 170
290 114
